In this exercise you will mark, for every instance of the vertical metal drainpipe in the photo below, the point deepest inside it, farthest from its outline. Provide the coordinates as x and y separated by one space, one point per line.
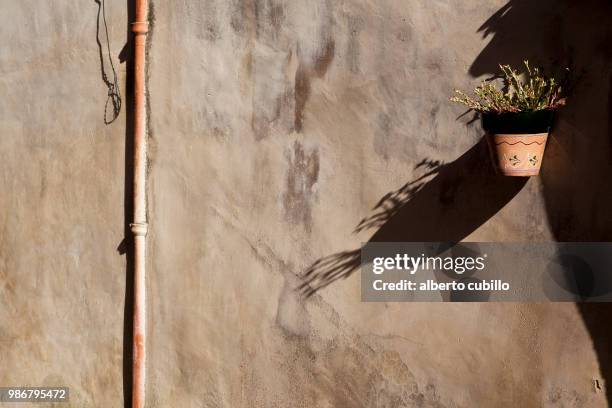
140 27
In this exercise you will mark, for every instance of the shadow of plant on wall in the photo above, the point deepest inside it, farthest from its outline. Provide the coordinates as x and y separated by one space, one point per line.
448 202
576 190
445 204
391 203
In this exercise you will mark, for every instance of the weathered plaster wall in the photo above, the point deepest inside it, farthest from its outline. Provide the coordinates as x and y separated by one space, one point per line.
275 128
62 281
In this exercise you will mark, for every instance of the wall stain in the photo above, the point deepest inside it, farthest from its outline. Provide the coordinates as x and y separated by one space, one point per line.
274 94
266 115
303 76
302 176
382 135
353 47
211 26
205 20
292 318
345 371
558 397
276 16
242 19
270 17
269 59
270 95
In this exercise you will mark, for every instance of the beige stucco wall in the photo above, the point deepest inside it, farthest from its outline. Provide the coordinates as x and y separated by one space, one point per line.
62 281
275 127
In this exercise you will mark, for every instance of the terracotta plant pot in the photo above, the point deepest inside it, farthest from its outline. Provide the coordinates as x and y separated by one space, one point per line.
517 140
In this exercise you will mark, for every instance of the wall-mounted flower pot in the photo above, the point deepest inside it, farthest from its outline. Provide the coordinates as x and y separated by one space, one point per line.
517 140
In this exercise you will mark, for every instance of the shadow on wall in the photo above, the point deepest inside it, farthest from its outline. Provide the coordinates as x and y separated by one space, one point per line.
112 109
447 203
556 34
126 246
575 174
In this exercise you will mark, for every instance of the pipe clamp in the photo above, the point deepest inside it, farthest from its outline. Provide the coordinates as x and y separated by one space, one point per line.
140 27
139 228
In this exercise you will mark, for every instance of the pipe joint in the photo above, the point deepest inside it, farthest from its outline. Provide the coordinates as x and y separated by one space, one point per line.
140 27
139 228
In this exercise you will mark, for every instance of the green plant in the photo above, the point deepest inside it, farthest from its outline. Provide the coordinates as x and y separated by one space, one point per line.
522 92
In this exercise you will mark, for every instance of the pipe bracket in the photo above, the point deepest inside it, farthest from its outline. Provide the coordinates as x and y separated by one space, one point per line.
140 27
139 228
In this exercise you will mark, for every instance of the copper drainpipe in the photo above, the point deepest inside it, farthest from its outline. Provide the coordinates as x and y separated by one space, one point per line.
140 27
